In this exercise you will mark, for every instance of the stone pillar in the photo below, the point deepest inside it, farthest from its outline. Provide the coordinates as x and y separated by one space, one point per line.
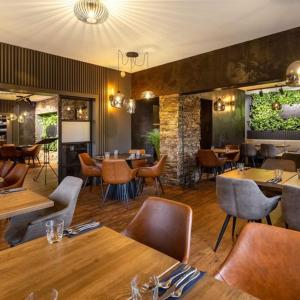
179 134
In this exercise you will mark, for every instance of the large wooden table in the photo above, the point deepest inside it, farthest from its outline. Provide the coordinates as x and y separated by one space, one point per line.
17 203
260 176
96 265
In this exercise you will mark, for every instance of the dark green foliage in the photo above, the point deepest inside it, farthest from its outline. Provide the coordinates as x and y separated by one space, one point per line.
46 120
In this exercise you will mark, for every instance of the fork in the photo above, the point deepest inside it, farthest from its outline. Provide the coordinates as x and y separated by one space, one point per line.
178 292
167 284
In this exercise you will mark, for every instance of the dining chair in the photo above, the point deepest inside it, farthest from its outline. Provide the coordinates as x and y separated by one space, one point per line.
117 174
291 206
138 163
242 198
283 164
292 156
248 152
208 160
9 151
32 225
90 170
154 173
268 151
15 177
32 153
264 262
164 225
5 167
232 158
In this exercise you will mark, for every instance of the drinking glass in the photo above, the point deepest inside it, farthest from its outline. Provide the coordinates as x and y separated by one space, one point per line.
278 173
144 287
241 167
54 230
106 155
138 153
49 295
116 153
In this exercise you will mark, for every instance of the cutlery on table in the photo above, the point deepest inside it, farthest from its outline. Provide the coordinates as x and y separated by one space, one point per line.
82 228
166 284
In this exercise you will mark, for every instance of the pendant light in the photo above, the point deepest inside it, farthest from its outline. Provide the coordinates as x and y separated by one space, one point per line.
293 74
219 105
148 95
131 106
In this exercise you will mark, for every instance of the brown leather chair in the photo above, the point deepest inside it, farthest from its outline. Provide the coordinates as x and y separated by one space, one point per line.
283 164
264 262
90 170
5 167
9 151
15 177
207 160
164 225
153 172
232 158
116 172
32 153
139 163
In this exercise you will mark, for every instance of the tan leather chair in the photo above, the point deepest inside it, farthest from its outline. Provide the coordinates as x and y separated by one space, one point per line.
9 151
264 262
139 163
5 167
116 172
164 225
32 153
15 177
153 172
90 170
232 158
207 159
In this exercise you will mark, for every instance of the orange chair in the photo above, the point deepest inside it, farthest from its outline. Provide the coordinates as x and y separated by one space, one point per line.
153 172
5 167
264 262
164 225
90 169
15 177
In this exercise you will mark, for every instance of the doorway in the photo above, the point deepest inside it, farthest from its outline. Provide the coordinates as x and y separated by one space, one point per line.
206 124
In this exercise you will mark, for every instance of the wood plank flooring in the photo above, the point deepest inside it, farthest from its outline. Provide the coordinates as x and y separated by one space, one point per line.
207 216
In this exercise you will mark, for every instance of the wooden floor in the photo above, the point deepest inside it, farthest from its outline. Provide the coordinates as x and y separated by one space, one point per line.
207 216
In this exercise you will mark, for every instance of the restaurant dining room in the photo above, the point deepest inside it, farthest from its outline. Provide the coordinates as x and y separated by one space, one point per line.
149 150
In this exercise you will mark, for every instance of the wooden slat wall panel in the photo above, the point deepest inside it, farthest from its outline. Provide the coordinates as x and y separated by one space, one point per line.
34 69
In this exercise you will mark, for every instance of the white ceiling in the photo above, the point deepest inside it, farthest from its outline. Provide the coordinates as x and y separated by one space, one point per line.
169 30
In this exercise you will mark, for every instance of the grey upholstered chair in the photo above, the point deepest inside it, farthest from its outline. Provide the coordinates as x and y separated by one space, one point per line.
283 164
248 151
268 151
291 206
242 198
292 156
32 225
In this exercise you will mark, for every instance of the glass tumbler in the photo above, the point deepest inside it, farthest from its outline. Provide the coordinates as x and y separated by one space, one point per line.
48 295
144 287
278 173
54 230
241 167
116 153
106 155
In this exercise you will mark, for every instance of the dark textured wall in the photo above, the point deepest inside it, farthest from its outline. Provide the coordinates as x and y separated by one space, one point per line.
260 60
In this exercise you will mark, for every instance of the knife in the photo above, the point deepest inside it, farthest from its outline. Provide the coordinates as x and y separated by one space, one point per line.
169 292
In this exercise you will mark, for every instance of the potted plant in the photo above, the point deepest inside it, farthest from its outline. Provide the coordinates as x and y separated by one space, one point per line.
153 138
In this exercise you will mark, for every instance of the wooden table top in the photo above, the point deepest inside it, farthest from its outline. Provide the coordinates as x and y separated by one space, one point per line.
260 176
96 265
224 151
18 203
294 181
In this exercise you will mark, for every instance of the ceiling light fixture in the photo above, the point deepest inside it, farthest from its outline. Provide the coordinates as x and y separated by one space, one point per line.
90 11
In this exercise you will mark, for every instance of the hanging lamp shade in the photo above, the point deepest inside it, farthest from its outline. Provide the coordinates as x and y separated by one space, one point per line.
118 100
90 11
219 105
148 95
21 119
293 74
131 106
12 117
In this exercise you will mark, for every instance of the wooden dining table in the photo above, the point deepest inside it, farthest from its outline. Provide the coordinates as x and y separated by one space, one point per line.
261 176
224 151
99 264
21 202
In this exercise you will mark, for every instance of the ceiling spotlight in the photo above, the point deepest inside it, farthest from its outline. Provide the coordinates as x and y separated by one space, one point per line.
90 11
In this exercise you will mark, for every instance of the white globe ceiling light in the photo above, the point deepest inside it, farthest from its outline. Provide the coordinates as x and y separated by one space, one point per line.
91 11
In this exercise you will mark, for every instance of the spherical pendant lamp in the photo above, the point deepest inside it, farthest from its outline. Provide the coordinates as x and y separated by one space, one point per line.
293 74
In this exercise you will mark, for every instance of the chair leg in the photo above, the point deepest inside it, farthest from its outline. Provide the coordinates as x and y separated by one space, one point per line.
106 193
161 186
38 160
33 161
269 219
233 226
101 186
156 185
126 195
85 182
225 224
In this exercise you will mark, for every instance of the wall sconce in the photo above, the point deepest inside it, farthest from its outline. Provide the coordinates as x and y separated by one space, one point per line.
219 105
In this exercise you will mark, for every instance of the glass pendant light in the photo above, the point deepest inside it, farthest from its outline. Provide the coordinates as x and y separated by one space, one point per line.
148 95
12 117
293 74
118 100
219 105
25 113
131 106
21 119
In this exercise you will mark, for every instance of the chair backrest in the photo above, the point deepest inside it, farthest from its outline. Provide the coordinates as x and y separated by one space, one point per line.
33 150
134 151
248 150
85 159
268 150
8 151
241 198
164 225
292 156
283 164
207 158
16 176
160 166
116 171
5 167
264 262
65 196
232 147
291 206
